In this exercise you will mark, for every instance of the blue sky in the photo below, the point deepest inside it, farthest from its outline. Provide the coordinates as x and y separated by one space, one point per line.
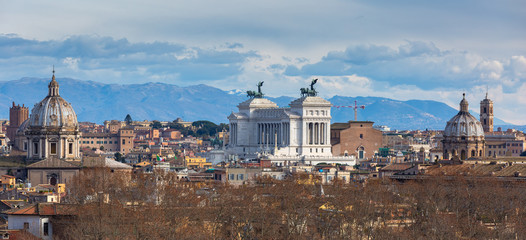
398 49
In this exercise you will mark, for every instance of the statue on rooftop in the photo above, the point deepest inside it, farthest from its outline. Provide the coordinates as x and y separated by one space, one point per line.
254 94
306 92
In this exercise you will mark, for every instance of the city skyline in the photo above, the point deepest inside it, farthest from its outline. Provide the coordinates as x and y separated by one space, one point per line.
407 50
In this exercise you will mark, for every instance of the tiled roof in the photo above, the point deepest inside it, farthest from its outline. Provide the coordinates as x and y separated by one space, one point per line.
397 167
53 162
515 170
13 203
42 209
103 162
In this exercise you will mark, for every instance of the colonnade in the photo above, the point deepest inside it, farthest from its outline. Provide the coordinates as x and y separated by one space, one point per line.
316 133
269 133
233 133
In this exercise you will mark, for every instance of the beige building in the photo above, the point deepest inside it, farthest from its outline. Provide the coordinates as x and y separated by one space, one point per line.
499 143
509 143
52 171
120 141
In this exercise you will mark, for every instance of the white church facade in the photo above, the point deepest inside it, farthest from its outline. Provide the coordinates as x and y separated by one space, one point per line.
299 133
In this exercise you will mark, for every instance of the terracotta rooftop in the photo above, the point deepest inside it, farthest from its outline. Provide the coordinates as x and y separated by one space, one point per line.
42 209
13 203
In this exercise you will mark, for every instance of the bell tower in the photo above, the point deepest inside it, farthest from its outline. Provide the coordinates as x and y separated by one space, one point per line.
486 114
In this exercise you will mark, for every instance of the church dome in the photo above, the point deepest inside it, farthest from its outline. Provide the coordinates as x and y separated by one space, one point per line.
53 110
463 124
22 128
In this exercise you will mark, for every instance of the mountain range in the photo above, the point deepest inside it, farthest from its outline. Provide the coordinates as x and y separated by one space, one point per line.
96 102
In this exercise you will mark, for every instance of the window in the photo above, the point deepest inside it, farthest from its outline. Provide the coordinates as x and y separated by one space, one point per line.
240 176
361 136
53 149
230 176
46 229
70 148
25 146
35 148
26 225
123 141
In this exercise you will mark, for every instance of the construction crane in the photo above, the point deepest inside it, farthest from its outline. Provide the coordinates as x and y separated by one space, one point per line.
355 107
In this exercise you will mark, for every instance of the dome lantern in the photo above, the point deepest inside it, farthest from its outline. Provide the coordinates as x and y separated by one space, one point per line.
53 86
464 105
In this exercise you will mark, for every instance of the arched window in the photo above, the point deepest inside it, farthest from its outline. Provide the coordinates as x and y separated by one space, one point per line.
361 152
463 155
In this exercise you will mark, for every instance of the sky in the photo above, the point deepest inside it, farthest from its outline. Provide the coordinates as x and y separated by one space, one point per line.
408 49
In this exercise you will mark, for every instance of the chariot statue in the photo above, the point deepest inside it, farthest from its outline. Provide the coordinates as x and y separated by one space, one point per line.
254 94
306 92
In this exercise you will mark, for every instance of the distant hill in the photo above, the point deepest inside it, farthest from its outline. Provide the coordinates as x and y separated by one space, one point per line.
96 102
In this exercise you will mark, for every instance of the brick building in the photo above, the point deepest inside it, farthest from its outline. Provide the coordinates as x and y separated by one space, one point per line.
17 115
357 138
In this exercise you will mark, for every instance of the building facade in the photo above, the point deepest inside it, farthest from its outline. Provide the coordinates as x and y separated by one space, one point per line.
261 127
298 133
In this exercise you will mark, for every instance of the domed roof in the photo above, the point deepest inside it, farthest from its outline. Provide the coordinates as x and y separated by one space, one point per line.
463 124
53 111
22 128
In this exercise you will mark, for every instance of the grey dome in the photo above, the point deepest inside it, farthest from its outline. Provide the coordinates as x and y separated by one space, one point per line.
463 124
53 111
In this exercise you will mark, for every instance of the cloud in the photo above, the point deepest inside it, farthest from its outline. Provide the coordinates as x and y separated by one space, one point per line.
421 64
410 70
111 60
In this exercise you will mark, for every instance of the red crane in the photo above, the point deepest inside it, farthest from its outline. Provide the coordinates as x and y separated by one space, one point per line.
355 107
